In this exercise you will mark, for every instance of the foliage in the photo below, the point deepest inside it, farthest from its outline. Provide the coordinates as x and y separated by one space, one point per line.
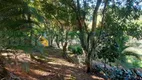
76 49
114 33
44 41
15 14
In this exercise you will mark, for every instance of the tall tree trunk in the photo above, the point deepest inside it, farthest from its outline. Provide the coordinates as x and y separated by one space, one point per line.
64 50
31 31
31 37
65 46
84 37
36 42
3 71
57 41
51 40
88 62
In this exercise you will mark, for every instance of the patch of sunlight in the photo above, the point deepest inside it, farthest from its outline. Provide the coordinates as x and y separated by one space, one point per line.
99 18
40 72
134 50
33 78
43 41
133 62
69 77
140 64
129 61
54 63
56 68
97 78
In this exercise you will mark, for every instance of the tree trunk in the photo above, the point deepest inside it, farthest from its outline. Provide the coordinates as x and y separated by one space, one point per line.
64 50
85 46
88 62
36 42
58 44
31 31
3 71
31 37
105 64
57 41
51 40
88 65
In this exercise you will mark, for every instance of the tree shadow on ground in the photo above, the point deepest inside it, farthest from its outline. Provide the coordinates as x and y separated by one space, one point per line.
48 71
52 70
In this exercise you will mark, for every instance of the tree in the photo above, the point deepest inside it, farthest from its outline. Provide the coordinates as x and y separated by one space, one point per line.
60 20
17 19
117 29
87 36
20 15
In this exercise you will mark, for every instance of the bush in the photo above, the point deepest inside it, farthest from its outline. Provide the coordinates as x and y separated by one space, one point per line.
76 49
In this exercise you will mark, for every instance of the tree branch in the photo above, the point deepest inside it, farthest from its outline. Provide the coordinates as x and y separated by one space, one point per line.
103 12
95 13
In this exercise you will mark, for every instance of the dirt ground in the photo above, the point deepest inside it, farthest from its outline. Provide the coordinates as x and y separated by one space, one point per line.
55 68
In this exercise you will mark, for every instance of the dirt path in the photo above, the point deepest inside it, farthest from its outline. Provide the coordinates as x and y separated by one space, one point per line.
56 68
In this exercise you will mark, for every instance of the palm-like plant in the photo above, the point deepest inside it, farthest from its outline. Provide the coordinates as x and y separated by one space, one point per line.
14 14
18 16
116 29
118 52
130 55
